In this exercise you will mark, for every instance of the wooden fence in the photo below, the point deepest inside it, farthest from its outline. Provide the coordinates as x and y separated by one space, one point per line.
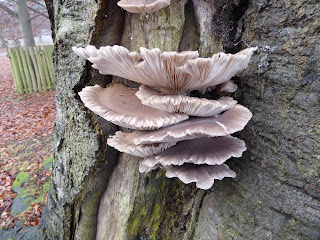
32 68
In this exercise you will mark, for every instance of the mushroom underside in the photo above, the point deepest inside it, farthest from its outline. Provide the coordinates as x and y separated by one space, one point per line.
192 149
203 175
171 72
123 142
191 106
210 151
227 123
139 6
119 105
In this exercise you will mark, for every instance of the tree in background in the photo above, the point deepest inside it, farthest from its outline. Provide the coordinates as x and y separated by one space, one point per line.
17 14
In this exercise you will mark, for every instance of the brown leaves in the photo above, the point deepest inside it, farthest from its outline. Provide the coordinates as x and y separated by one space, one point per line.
33 215
6 197
26 129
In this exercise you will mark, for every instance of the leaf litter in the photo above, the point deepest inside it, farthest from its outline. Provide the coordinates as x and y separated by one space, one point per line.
26 141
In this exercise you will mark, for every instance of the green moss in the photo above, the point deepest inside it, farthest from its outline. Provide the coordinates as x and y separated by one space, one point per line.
28 201
163 185
143 218
134 226
42 196
47 163
22 177
156 220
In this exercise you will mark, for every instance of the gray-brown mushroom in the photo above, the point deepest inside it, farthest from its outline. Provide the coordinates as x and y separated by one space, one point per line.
191 106
171 72
123 142
210 151
119 105
139 6
86 53
218 69
227 87
203 175
229 122
195 149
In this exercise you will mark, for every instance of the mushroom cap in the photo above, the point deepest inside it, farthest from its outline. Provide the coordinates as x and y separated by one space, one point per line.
139 6
89 51
161 69
228 86
202 175
171 72
119 105
150 67
123 142
229 122
218 69
192 106
210 151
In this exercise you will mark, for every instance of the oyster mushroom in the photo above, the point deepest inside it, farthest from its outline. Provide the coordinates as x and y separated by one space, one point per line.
171 72
124 143
191 106
210 151
229 122
203 175
218 69
119 105
227 87
139 6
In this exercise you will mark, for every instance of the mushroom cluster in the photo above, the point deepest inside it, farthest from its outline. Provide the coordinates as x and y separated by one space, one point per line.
189 137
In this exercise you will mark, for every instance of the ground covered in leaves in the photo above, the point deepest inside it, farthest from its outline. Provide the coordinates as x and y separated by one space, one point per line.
26 141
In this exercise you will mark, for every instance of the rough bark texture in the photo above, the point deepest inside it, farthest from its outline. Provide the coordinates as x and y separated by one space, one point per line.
276 192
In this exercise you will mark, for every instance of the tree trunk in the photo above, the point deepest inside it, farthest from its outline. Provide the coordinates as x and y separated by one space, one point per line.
276 192
25 23
3 43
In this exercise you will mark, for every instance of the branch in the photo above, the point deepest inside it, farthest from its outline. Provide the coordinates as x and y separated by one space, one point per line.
8 10
39 3
39 13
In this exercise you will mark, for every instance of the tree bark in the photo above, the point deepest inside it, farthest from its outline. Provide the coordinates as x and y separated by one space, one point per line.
97 193
25 23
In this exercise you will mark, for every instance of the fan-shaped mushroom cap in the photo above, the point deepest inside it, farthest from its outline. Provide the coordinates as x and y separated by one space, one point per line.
161 69
192 106
218 69
171 72
119 105
203 175
229 122
152 68
210 151
139 6
89 51
228 86
123 142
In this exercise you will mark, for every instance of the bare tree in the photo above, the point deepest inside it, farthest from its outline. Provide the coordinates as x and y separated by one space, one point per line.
25 23
18 11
